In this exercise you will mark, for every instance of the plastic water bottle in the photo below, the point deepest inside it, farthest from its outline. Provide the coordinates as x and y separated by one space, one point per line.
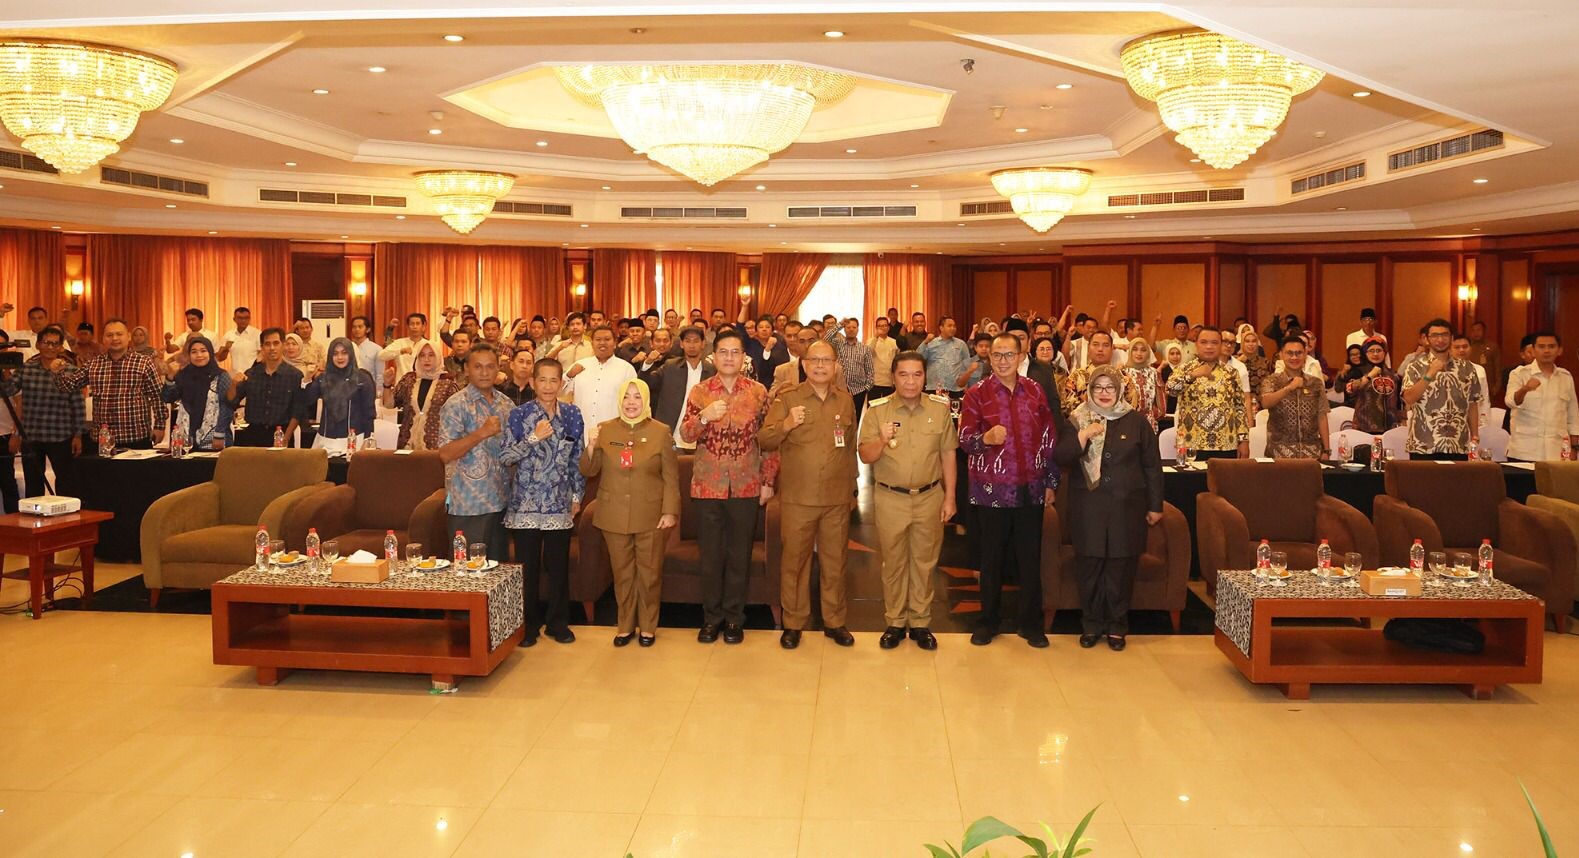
391 546
1417 556
1343 450
106 441
279 437
1566 453
1324 556
1485 562
459 545
1376 453
312 548
1264 555
178 442
261 548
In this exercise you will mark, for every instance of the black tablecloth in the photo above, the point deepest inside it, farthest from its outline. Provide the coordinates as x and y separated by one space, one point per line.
127 487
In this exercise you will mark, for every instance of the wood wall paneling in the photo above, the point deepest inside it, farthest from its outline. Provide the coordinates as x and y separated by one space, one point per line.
1277 286
1346 289
1034 290
1422 291
1231 293
991 293
1091 286
1168 289
1515 304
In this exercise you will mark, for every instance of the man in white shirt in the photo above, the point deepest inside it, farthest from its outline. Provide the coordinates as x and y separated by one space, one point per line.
367 350
403 351
678 377
1367 331
1075 348
884 350
1543 410
595 381
1460 350
1181 338
173 344
241 344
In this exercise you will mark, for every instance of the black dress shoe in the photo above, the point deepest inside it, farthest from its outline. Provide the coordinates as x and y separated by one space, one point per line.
1089 641
707 633
733 634
563 636
529 640
1036 638
790 638
647 640
624 640
840 635
1116 643
924 638
982 638
891 637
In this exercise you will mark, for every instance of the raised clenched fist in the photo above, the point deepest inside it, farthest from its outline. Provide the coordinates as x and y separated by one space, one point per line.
995 436
715 410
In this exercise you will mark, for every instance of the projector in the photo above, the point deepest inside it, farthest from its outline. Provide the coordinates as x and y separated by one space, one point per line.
49 505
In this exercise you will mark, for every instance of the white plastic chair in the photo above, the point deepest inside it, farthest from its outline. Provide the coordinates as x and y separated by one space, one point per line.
1355 438
1495 439
1167 442
1257 442
386 433
1495 417
1394 439
1336 417
1263 417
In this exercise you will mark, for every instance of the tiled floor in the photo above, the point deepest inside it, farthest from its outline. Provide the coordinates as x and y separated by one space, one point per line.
119 737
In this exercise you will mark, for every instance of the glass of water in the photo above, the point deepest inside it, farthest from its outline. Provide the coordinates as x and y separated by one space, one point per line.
330 551
476 556
1352 562
276 548
1436 562
413 556
1279 565
1461 568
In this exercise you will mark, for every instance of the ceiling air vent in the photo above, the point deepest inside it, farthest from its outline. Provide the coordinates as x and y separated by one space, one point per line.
1442 150
1175 198
329 198
994 207
151 182
1336 176
851 211
23 161
678 213
551 209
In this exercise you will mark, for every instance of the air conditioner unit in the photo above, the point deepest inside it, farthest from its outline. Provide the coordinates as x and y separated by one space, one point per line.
328 318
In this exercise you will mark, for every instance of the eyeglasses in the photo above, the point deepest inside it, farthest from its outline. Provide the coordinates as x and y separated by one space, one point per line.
728 352
818 360
1108 388
1005 355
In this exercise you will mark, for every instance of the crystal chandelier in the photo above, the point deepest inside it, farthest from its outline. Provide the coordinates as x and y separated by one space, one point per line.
1222 97
73 103
464 197
706 122
1041 196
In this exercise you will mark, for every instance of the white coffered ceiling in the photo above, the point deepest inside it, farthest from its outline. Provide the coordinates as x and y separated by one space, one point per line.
244 107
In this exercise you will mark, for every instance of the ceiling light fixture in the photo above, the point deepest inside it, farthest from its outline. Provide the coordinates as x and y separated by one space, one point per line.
377 69
707 122
914 187
586 226
1223 98
213 232
1364 93
169 205
1343 208
1021 130
464 198
833 34
320 91
435 131
454 38
542 143
400 217
1129 217
851 151
1041 196
177 141
72 103
1065 86
1481 181
762 187
607 188
290 163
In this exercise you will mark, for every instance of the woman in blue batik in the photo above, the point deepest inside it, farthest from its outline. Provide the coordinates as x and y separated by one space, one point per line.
544 441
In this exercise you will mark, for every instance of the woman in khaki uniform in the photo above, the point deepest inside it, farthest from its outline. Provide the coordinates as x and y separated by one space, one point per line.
638 503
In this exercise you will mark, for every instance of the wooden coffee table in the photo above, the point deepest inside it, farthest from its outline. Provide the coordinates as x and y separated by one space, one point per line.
259 619
1294 657
39 537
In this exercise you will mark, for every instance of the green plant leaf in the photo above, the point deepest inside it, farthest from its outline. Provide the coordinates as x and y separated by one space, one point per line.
1080 830
1540 824
937 851
986 830
1039 848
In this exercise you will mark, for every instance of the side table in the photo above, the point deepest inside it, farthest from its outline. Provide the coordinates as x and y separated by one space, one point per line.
39 537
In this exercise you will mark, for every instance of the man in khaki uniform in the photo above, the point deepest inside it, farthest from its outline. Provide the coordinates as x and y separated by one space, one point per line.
909 440
798 339
812 426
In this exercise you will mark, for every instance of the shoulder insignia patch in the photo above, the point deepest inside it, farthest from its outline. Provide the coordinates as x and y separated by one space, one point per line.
876 402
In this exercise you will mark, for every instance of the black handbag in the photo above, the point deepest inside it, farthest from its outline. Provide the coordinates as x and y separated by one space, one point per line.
1438 634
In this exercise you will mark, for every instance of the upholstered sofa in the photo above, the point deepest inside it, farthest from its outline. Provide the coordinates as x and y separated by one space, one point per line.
384 490
1557 492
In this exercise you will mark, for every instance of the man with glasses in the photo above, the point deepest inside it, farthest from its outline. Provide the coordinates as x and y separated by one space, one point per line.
812 427
1442 395
1008 433
53 417
731 478
798 339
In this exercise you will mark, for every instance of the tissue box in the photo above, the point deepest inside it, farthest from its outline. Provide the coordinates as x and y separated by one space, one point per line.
346 572
1374 583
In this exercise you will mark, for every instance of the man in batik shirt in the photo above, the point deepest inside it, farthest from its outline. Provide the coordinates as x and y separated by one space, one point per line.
1442 394
1297 407
1211 418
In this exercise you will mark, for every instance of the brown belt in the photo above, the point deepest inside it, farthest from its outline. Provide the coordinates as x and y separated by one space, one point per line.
924 489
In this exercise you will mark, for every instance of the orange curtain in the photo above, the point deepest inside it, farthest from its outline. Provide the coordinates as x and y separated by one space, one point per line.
520 282
32 273
151 280
911 282
423 278
787 278
623 281
694 279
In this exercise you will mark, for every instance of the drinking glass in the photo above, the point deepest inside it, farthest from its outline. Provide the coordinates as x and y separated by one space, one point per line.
276 548
1279 564
1352 561
1436 562
413 557
331 553
476 556
1461 567
1485 454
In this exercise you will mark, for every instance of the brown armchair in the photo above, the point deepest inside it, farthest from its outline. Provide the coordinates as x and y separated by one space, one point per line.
1557 487
1159 581
1452 508
383 491
200 534
1282 502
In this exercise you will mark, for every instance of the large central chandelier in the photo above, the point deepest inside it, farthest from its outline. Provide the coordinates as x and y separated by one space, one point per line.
1223 98
73 103
1041 196
707 122
464 197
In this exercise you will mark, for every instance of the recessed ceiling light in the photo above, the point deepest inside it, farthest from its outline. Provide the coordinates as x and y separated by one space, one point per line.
177 141
773 226
1184 798
441 824
213 232
1207 237
454 38
762 187
54 227
290 163
1065 86
1343 208
850 151
833 34
1195 160
1003 244
435 131
377 69
607 188
564 244
1465 847
915 186
782 242
584 226
1481 181
169 205
1476 229
1129 217
1362 93
400 217
345 236
320 92
1021 130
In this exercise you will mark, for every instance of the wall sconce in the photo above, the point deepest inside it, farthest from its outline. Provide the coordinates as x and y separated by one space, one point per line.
1521 293
578 290
359 288
745 290
75 288
1468 292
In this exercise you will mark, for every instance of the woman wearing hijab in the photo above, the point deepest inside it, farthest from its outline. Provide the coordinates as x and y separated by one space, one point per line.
543 439
1147 380
296 355
418 396
1377 392
638 505
1354 368
1257 367
346 391
1115 492
202 411
1171 363
140 343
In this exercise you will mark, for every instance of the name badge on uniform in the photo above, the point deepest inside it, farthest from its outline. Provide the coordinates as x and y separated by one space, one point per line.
627 456
838 432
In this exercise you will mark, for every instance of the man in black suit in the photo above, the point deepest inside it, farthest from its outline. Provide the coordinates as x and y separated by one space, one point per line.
671 384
